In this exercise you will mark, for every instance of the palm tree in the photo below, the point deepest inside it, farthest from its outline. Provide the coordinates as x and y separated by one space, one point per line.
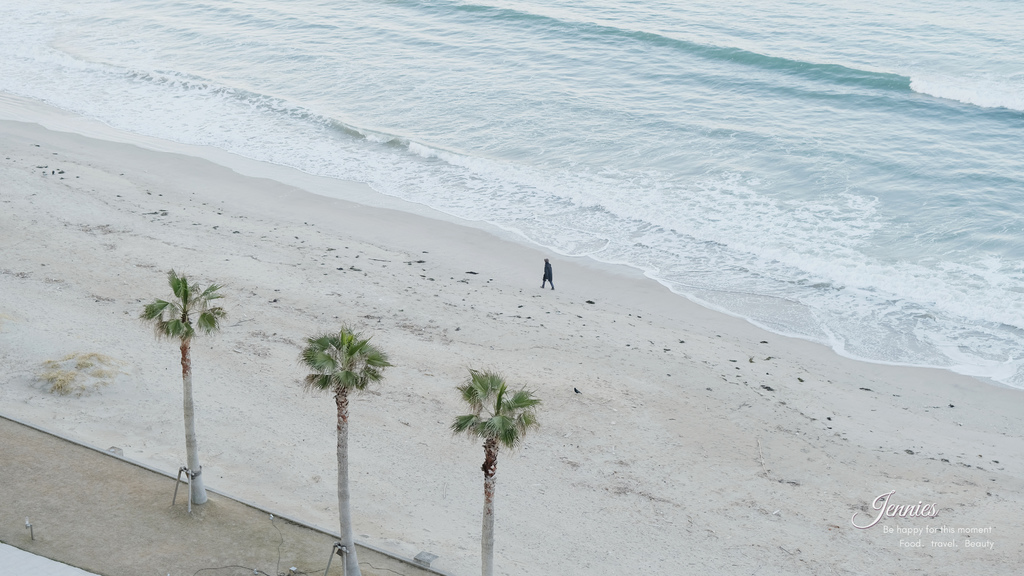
500 419
340 363
175 319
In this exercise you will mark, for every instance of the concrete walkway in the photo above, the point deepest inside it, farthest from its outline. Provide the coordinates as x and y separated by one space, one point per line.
17 561
112 517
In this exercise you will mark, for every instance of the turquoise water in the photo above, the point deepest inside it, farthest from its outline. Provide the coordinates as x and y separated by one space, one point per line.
851 174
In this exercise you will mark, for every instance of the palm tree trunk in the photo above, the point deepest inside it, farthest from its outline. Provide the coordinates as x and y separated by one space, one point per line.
191 445
344 497
490 469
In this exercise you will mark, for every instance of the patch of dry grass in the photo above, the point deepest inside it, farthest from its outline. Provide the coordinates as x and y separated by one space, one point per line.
79 373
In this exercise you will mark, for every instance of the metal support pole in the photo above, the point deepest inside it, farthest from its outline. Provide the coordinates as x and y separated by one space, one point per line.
340 551
176 484
31 531
189 475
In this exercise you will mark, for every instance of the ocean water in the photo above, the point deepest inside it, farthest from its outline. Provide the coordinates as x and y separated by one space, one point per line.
851 173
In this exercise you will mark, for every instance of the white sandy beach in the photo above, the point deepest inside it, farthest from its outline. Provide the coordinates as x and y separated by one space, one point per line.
699 445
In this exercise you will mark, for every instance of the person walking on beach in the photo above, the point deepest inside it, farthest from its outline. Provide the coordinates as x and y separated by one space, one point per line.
548 278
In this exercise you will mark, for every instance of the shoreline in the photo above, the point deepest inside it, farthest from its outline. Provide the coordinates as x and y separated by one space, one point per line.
19 109
693 426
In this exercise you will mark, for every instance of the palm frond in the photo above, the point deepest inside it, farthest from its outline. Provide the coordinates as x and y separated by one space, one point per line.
154 310
510 435
465 423
488 382
173 318
211 292
526 420
376 358
177 329
512 416
318 382
521 400
179 286
349 361
471 395
207 321
499 403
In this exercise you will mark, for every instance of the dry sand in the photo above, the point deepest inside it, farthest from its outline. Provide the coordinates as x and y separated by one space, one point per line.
699 444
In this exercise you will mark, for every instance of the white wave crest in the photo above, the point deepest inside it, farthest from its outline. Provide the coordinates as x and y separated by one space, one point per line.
983 92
